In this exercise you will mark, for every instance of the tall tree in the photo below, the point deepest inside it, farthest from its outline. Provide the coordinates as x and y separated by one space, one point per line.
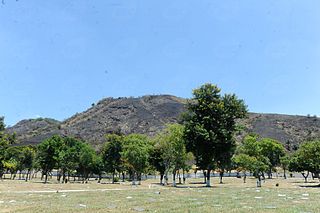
284 162
5 141
48 154
88 160
210 124
249 157
135 155
68 157
29 154
171 144
273 150
111 154
306 159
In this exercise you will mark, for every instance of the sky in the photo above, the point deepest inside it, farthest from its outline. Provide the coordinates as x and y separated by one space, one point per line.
57 57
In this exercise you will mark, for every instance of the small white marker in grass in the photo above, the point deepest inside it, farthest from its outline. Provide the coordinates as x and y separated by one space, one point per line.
258 197
83 206
129 197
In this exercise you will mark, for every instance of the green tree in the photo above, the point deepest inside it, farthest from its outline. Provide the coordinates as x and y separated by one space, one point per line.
5 141
2 125
249 157
284 162
171 144
111 154
244 163
48 154
273 150
68 157
210 124
29 154
306 159
156 160
87 161
135 155
15 154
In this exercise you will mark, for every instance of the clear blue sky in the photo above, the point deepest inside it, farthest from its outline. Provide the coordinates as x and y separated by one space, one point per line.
59 56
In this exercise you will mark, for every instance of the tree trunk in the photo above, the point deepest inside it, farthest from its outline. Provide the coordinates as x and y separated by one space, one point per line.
174 179
221 176
244 177
284 174
161 179
139 178
46 179
208 178
270 174
183 177
26 179
305 176
133 179
166 179
205 176
113 177
259 181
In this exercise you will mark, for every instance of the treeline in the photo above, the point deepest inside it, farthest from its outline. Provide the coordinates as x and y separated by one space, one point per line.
131 155
205 138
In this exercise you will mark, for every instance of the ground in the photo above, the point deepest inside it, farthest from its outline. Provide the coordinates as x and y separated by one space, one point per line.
291 195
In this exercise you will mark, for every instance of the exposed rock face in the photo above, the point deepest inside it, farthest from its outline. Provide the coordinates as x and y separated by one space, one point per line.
148 115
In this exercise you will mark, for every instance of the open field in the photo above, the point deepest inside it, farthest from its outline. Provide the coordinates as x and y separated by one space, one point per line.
232 196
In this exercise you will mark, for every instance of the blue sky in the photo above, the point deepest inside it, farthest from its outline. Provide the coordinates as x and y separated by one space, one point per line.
57 57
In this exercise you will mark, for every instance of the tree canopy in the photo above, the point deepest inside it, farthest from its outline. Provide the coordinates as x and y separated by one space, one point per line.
210 123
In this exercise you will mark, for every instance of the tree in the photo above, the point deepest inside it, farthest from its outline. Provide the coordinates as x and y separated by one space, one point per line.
48 154
249 157
284 162
15 154
244 163
157 161
210 124
2 125
135 155
306 159
88 160
68 157
273 150
5 141
111 154
171 145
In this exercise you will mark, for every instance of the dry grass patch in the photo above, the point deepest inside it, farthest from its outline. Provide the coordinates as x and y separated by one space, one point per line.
232 196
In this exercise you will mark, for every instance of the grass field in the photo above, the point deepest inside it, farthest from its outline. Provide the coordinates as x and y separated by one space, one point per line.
232 196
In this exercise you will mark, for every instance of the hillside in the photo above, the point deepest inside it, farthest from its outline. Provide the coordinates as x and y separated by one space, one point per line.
148 115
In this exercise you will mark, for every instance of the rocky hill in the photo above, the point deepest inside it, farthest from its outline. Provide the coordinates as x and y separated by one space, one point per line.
148 115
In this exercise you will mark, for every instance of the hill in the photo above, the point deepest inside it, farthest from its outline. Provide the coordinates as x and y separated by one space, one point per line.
149 114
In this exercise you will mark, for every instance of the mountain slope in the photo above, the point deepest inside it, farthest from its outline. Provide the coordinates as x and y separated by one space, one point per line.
148 115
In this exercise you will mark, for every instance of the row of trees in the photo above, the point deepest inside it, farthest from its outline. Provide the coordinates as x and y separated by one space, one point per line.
205 137
133 154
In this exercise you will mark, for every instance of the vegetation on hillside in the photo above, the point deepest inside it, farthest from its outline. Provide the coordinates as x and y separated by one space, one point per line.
205 138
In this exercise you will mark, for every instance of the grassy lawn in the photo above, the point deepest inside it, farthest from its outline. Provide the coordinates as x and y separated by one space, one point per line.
232 196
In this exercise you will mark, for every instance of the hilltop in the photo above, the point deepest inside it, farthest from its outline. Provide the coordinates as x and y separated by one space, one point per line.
149 114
